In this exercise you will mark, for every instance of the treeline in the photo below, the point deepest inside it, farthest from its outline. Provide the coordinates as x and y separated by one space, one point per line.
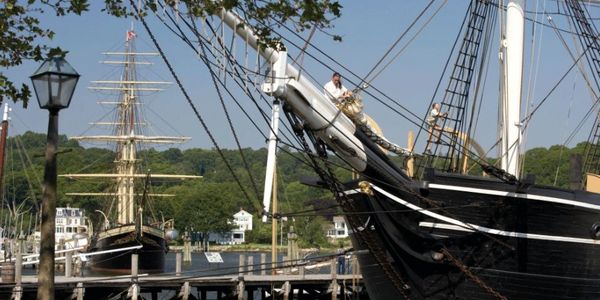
227 185
202 204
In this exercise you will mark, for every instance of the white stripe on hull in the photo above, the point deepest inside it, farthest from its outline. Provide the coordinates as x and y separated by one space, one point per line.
513 195
532 236
454 224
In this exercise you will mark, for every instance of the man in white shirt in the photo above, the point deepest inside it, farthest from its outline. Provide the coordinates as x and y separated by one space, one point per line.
434 115
335 90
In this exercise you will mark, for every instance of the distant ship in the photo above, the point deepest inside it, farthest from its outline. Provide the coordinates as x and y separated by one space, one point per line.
127 221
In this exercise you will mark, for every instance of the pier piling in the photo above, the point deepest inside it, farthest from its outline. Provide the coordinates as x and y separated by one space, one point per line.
241 265
263 260
134 266
178 264
244 285
285 289
334 285
68 264
250 268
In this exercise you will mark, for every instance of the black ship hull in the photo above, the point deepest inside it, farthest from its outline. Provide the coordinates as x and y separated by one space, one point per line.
151 256
465 237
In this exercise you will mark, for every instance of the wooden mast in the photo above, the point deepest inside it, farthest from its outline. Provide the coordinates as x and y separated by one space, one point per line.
127 134
274 227
3 135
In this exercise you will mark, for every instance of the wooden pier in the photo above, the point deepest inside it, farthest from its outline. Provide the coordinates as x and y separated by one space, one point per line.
250 282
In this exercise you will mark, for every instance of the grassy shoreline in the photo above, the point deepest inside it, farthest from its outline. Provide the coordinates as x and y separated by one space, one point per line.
254 248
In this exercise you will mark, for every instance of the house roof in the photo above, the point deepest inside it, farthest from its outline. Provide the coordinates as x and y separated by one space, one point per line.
242 213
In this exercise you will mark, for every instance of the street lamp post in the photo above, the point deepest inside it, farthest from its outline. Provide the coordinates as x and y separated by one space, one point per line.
54 83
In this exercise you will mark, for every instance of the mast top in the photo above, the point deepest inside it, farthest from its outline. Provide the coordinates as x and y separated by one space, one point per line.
6 110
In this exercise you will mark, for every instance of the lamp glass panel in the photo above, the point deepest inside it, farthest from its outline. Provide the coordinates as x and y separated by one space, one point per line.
68 87
54 90
40 84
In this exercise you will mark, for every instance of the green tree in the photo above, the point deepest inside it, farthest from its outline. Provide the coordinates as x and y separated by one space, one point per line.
204 207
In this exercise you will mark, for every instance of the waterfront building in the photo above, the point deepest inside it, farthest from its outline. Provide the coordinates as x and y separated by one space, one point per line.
339 228
242 222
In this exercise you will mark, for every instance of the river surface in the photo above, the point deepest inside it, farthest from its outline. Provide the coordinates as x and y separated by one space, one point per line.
199 265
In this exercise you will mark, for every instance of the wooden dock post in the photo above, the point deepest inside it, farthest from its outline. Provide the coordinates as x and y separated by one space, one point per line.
187 249
241 286
241 265
240 289
250 267
134 289
286 290
78 292
17 293
68 264
333 286
263 261
355 272
19 268
178 264
133 292
184 292
134 266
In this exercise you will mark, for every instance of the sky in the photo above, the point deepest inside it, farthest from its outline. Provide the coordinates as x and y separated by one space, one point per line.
368 29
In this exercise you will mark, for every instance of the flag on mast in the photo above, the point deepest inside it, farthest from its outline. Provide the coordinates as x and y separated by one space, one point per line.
130 35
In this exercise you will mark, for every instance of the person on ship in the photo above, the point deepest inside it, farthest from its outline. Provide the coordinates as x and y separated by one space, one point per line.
335 90
432 127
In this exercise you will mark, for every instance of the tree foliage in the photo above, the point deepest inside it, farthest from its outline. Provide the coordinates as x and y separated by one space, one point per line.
206 204
24 37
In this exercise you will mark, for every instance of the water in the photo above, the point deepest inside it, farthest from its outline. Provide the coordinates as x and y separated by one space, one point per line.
201 267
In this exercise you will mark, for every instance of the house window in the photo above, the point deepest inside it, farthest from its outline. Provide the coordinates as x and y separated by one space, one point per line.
237 235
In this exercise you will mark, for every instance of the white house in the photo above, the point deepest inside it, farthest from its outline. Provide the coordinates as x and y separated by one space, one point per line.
69 222
243 222
339 228
70 228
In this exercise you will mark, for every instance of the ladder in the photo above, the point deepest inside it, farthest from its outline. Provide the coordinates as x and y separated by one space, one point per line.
448 148
588 37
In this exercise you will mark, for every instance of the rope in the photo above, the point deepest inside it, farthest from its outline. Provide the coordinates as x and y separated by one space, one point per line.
395 44
409 41
243 85
196 112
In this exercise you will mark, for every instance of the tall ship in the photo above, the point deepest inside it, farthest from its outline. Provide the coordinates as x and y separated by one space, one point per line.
427 227
128 222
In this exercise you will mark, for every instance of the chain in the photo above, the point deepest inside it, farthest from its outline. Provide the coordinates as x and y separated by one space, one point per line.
470 274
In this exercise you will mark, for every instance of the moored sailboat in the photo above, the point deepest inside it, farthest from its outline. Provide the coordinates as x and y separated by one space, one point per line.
131 224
